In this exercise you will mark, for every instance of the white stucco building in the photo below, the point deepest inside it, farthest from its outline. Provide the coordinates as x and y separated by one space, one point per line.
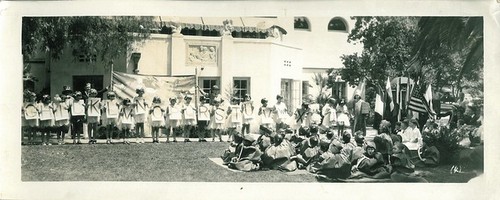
262 56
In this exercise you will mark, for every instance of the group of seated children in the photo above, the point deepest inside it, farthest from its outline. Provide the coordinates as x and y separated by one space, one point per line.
320 152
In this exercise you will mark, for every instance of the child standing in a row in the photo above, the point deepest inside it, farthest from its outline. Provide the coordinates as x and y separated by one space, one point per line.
188 117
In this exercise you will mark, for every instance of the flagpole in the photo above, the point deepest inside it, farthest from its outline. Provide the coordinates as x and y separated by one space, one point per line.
111 79
196 90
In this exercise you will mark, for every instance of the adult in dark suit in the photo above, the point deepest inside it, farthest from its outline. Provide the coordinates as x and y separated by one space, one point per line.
360 112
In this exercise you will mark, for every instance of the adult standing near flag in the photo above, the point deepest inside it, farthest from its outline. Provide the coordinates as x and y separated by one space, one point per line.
361 110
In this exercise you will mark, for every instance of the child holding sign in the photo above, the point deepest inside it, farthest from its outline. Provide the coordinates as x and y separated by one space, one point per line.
218 116
265 114
280 112
174 117
156 114
30 116
111 112
61 116
77 110
247 110
46 118
140 107
126 119
93 114
188 117
329 114
203 117
235 117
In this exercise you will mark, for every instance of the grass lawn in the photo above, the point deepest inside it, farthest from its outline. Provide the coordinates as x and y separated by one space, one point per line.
173 162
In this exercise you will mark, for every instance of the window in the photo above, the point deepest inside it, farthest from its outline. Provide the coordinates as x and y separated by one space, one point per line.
339 90
305 88
87 58
241 87
206 83
337 24
96 82
301 23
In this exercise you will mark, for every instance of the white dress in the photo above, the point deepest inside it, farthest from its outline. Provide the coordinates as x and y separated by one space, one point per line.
189 114
46 115
329 116
61 115
30 114
174 115
281 113
218 118
127 117
342 115
111 112
157 116
141 108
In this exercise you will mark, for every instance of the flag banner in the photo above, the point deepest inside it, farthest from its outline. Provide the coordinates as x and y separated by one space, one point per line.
247 110
379 105
446 109
94 109
428 100
157 114
124 85
77 109
417 101
236 113
61 112
388 91
204 112
30 112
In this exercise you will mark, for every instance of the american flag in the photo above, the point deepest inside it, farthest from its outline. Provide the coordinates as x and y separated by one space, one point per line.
418 102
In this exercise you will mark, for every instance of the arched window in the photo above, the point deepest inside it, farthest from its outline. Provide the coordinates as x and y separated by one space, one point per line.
301 23
337 24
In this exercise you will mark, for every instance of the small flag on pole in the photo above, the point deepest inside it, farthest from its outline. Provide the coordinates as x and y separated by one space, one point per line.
418 102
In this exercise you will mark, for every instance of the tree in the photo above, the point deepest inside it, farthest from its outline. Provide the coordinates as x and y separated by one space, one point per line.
387 47
460 39
106 37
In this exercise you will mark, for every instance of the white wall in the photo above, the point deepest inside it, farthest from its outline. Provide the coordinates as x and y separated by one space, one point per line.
155 55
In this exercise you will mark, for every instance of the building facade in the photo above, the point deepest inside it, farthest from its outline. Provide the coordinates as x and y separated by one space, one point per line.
260 56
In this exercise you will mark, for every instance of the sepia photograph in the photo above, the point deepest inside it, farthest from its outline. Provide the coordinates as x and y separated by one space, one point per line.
245 100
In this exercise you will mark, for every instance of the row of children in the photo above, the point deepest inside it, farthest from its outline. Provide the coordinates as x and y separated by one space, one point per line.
74 109
327 155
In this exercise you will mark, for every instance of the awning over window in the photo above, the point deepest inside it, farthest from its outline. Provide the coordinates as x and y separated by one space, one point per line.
240 24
